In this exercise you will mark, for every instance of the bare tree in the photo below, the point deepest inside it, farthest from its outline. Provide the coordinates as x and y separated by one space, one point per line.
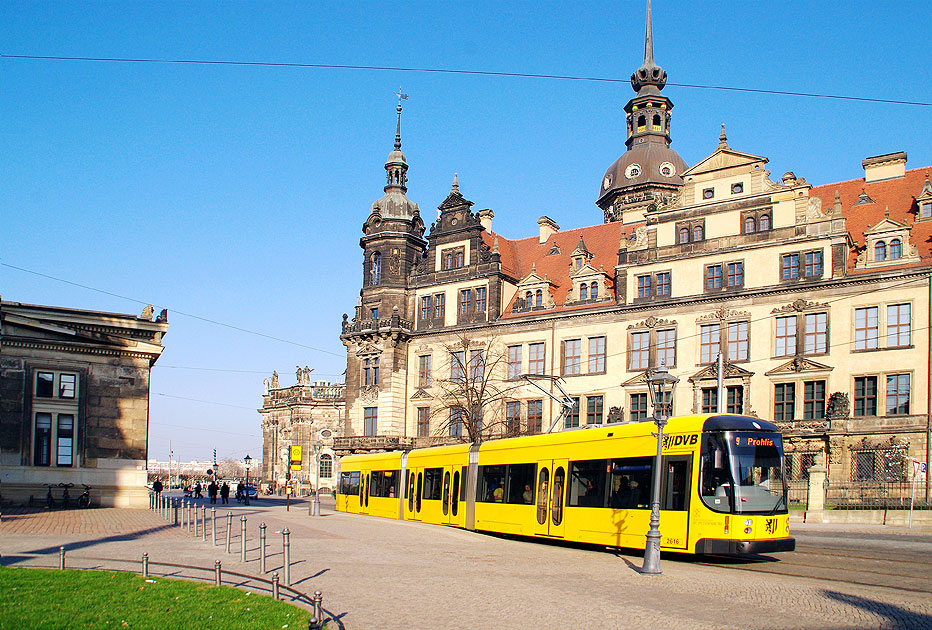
228 468
473 389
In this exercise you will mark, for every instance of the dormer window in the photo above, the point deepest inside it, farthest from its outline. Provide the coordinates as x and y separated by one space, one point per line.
593 291
925 210
529 298
539 298
579 263
880 251
584 291
896 249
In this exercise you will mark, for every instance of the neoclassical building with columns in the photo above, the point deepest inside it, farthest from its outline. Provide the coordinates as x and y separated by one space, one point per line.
816 296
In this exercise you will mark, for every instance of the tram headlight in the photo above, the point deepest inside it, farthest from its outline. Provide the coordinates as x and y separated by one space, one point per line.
748 522
747 530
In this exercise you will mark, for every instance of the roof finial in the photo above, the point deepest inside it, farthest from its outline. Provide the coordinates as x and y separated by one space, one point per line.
456 185
722 139
495 245
648 39
649 74
401 96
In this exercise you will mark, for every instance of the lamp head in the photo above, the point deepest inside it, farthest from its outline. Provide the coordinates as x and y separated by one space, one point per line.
248 460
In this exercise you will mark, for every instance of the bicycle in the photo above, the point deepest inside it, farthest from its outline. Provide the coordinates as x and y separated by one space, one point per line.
84 501
65 496
49 499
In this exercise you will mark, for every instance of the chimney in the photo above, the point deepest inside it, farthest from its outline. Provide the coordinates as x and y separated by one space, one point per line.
485 218
547 227
881 167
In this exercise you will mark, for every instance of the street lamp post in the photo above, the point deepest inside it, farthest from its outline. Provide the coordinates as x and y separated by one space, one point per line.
247 460
318 445
660 384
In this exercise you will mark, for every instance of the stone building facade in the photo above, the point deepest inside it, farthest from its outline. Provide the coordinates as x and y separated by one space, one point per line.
74 401
305 414
817 298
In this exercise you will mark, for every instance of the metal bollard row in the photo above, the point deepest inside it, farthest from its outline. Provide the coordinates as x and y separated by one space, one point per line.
286 553
242 539
229 529
213 527
262 548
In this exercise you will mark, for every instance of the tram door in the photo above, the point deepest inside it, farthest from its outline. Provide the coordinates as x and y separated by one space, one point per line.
364 492
414 484
674 500
550 497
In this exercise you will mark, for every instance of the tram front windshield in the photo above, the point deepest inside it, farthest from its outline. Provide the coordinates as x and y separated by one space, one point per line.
742 472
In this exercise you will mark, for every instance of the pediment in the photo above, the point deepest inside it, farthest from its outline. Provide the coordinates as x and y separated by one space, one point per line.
586 271
710 372
797 365
421 394
533 279
368 349
16 325
723 159
887 225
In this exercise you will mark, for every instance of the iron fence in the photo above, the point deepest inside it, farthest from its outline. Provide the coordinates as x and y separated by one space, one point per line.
797 492
873 495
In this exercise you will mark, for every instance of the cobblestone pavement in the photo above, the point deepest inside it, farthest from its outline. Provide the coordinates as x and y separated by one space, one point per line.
379 573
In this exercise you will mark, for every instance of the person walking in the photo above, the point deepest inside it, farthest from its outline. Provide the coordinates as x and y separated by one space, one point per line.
224 493
197 491
212 491
239 492
157 488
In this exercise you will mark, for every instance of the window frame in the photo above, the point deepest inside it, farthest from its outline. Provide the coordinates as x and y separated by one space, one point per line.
571 364
534 361
597 354
514 362
424 367
595 408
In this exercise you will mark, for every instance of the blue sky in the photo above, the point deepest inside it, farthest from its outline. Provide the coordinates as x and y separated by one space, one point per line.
237 194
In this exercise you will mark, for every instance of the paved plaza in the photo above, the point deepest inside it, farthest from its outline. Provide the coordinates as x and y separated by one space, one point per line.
378 573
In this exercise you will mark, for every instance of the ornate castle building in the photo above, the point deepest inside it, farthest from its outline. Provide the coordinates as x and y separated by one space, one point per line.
816 298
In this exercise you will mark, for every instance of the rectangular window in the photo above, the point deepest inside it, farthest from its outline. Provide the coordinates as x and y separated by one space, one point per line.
816 335
587 483
370 371
572 350
66 383
514 362
734 402
784 401
663 284
666 348
713 277
640 351
594 410
536 358
737 341
644 286
512 417
786 336
45 382
897 394
710 400
596 355
374 313
43 440
789 266
65 439
927 210
709 342
433 478
476 366
638 408
866 328
521 478
535 415
465 301
813 264
572 418
426 308
898 326
457 366
371 420
423 421
423 370
736 274
491 484
439 303
456 421
480 300
813 400
865 396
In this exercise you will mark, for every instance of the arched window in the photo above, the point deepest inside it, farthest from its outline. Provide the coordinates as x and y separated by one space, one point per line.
764 222
448 260
594 291
459 260
376 268
528 299
880 251
326 466
684 235
749 225
697 233
584 291
539 298
896 249
642 122
657 122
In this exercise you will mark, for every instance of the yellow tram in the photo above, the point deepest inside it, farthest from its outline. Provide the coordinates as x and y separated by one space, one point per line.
722 491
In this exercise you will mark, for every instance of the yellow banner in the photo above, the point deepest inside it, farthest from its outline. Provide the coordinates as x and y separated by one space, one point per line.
295 458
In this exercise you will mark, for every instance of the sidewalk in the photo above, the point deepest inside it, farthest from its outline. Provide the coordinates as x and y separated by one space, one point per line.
380 573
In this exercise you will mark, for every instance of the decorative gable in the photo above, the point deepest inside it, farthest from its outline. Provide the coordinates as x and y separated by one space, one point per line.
924 202
589 285
886 244
534 293
798 365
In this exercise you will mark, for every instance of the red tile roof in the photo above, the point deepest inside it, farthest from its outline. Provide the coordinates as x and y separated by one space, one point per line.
899 195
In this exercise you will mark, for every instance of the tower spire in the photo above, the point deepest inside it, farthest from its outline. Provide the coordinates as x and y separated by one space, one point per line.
648 39
401 96
649 78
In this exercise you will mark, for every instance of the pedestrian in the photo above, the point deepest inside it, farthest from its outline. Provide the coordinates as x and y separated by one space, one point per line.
197 491
224 493
157 488
239 492
212 491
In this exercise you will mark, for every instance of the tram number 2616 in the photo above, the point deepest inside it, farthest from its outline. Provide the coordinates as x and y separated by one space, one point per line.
671 542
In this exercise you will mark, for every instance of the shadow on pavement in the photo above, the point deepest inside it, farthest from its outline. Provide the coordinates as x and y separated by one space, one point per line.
900 617
107 539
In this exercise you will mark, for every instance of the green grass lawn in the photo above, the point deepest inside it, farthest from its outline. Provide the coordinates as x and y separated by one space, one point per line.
45 598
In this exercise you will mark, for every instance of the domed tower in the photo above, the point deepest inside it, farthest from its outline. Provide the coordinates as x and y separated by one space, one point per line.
649 172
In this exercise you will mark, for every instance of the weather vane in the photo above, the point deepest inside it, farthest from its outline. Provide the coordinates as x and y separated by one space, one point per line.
401 96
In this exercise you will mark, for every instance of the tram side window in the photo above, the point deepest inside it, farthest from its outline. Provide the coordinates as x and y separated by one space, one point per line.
631 480
463 485
675 485
715 476
385 483
433 478
349 483
521 483
587 483
491 487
